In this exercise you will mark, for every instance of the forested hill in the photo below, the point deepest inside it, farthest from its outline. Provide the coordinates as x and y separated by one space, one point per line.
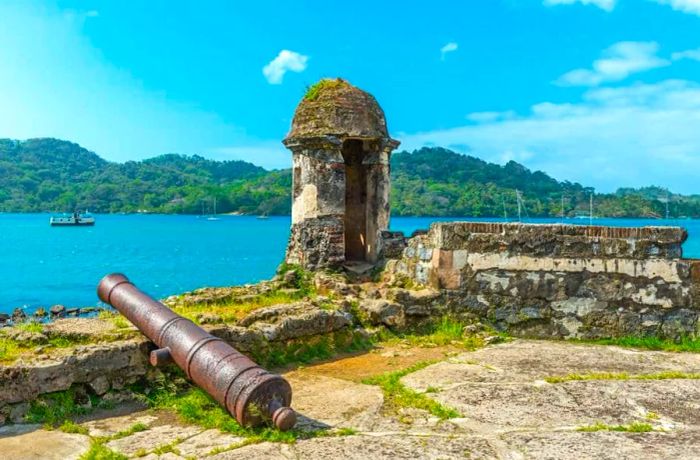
54 175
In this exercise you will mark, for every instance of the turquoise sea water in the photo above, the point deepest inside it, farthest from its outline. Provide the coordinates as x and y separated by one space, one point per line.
42 265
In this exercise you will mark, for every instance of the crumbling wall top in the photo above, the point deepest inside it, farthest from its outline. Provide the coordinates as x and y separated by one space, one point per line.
560 240
334 107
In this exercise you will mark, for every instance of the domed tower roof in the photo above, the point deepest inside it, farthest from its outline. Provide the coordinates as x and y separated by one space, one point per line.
333 107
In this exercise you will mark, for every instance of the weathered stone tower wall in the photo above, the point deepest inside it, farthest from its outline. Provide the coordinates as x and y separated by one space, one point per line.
341 148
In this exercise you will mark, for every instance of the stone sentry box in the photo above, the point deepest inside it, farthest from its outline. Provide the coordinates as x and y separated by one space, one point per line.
341 149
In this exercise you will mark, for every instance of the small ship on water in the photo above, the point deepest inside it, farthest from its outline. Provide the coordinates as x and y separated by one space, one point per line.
74 219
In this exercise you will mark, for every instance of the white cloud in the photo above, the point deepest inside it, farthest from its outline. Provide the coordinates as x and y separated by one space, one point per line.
286 61
631 136
617 63
688 54
686 6
448 48
607 5
485 117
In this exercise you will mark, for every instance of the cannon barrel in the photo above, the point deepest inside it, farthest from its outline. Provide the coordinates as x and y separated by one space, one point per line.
247 391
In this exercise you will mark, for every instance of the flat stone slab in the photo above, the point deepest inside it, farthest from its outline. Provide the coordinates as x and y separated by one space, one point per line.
604 445
329 402
146 441
531 360
112 425
27 442
363 447
204 443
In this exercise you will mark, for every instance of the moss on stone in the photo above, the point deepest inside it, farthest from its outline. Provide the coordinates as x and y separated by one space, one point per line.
397 395
634 427
665 375
335 107
325 84
682 344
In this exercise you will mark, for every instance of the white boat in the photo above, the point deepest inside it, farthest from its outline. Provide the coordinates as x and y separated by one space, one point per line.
74 219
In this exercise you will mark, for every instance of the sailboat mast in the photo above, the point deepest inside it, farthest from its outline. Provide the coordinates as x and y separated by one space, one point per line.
562 207
517 196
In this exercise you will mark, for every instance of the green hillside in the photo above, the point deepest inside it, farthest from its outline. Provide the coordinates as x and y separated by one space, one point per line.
54 175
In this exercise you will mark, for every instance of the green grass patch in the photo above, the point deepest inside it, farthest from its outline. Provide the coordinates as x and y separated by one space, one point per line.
55 408
665 375
98 451
635 427
11 349
397 395
446 331
684 344
31 326
315 90
310 349
135 428
167 448
119 321
234 310
196 407
69 426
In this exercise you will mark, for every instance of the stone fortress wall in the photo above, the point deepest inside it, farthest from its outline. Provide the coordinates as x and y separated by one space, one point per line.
556 280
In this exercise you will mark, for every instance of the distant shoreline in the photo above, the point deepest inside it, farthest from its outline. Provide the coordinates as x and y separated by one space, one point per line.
427 216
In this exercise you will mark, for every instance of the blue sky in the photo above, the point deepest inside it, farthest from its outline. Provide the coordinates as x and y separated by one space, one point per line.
604 92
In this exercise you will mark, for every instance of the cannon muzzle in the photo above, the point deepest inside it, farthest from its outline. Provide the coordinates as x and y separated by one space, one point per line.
248 392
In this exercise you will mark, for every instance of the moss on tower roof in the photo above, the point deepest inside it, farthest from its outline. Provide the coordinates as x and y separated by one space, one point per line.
335 107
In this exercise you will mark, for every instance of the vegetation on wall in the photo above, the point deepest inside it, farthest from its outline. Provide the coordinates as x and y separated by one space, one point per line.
54 175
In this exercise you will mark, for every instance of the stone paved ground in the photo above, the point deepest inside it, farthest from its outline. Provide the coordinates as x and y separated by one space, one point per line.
508 411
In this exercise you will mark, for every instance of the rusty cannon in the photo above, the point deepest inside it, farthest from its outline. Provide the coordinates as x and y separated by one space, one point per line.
251 394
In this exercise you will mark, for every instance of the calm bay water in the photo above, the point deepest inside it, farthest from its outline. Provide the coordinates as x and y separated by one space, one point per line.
43 266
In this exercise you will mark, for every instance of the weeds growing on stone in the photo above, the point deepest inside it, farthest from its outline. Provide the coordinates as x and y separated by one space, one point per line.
397 395
314 91
684 344
98 451
135 428
310 349
236 310
447 331
635 427
69 426
665 375
55 408
31 326
11 349
115 318
167 448
195 406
